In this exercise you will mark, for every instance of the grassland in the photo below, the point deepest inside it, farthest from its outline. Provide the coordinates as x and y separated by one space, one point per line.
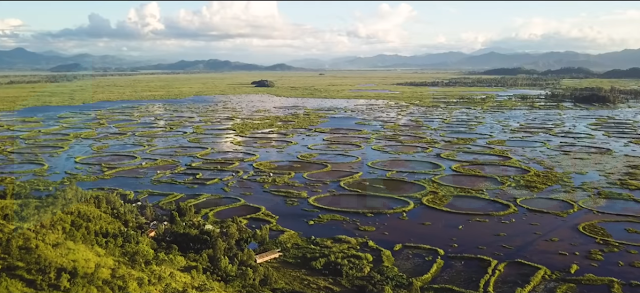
333 84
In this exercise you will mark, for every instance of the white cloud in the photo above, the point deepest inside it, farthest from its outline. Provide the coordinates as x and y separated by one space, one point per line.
234 28
235 19
609 31
10 32
145 19
10 24
9 27
386 26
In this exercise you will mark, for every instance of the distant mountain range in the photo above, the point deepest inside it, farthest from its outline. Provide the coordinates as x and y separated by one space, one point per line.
217 65
22 59
483 59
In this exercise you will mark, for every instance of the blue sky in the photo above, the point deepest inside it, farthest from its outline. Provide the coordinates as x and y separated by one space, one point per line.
316 29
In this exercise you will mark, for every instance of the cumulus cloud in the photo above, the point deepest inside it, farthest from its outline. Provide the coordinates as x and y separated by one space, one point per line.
610 31
386 26
259 28
10 32
9 27
141 22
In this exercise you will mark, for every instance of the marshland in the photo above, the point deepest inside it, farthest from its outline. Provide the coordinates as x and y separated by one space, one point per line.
416 182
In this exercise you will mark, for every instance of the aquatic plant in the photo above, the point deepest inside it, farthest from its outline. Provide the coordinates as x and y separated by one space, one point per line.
365 184
440 200
335 146
349 175
564 213
313 157
384 148
408 204
615 285
437 166
288 192
592 229
485 278
533 282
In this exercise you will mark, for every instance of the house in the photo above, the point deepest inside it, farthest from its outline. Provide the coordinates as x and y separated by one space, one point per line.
151 233
269 255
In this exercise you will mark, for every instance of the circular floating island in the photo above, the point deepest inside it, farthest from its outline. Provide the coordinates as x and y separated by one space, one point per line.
235 156
575 135
57 141
108 136
22 167
331 175
404 138
469 181
161 133
329 158
615 230
409 166
215 202
493 169
529 129
555 206
401 149
384 186
623 135
178 150
46 136
465 147
268 135
462 134
216 132
119 148
38 149
361 203
575 148
348 139
209 139
263 143
240 211
344 147
340 130
475 157
470 204
518 143
614 206
213 165
291 166
108 159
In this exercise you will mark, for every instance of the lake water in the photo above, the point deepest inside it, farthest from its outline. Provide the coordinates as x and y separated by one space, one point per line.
185 115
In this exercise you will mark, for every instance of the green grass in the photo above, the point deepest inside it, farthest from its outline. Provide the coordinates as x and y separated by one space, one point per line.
594 82
288 84
334 84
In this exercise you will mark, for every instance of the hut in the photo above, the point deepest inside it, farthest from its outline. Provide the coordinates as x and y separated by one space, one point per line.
269 255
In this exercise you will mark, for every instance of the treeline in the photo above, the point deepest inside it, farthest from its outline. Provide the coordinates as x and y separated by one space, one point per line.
503 81
565 72
75 240
594 95
71 77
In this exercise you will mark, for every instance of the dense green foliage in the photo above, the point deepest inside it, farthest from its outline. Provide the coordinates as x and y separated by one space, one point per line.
503 81
600 95
94 242
61 78
565 72
74 240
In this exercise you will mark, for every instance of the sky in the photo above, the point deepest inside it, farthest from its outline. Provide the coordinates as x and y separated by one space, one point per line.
269 32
